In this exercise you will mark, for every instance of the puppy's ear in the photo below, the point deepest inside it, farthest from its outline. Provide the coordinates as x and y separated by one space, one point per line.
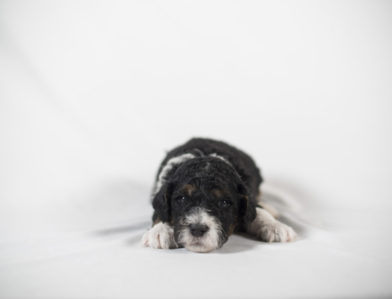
247 208
161 204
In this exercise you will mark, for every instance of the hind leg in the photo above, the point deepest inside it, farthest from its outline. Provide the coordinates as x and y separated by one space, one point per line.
266 228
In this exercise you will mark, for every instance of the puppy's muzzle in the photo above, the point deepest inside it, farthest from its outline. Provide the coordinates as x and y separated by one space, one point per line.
198 229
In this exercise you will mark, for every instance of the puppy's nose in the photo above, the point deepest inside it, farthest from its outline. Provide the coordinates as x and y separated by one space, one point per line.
198 230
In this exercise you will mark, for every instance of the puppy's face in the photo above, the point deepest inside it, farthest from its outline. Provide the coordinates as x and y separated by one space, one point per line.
204 201
204 213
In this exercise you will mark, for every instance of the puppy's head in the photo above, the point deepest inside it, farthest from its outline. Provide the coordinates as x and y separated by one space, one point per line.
205 200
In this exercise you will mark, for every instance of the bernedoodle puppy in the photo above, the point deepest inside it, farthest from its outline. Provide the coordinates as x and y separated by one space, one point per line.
204 191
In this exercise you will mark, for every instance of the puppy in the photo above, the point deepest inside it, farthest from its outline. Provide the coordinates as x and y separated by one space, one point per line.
204 191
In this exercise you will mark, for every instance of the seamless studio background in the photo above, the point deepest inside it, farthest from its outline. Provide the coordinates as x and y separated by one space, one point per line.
92 94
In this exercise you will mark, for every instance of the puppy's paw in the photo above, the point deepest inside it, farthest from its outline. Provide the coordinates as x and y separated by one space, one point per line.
276 232
161 236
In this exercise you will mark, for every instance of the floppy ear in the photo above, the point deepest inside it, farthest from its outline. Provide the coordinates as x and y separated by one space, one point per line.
161 204
247 208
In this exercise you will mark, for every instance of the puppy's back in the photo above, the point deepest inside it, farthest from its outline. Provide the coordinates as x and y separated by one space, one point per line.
242 162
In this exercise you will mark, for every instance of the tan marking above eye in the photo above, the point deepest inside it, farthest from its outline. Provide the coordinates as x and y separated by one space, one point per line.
217 192
188 188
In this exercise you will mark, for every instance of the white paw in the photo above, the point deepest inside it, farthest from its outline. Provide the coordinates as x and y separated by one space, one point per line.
161 236
276 232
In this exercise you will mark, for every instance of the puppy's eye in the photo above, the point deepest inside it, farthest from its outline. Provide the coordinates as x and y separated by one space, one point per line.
180 199
224 203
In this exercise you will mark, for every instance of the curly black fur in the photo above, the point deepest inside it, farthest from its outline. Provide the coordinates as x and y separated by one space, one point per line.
219 177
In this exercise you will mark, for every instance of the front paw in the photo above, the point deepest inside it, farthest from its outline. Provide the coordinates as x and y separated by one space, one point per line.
160 236
276 232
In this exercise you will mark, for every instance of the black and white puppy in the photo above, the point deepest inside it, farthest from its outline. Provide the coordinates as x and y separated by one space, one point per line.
204 191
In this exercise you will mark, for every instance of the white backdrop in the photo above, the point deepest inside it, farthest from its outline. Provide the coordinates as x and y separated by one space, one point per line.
93 93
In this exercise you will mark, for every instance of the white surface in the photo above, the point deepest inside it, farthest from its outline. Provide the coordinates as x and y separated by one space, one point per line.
91 94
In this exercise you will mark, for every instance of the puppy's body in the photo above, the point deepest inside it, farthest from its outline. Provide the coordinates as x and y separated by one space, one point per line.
204 191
